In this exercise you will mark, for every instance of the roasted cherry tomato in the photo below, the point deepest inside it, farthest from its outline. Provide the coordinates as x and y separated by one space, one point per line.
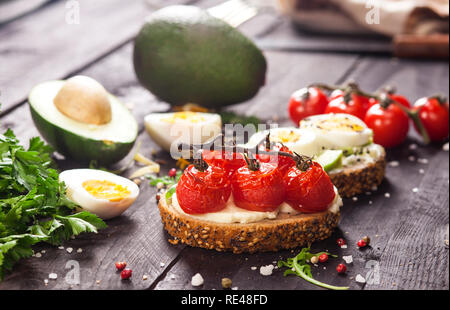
306 102
203 191
284 163
434 115
309 191
390 125
226 160
356 106
258 190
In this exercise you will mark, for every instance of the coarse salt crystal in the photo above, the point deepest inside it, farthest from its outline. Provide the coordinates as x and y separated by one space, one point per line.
413 146
79 250
348 259
235 288
421 171
61 247
43 251
69 250
394 163
387 195
266 270
415 190
197 280
38 255
53 276
445 147
162 265
253 268
355 198
422 161
360 279
344 246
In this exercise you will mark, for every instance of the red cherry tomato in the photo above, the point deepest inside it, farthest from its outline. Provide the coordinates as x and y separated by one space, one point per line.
284 163
306 102
399 98
390 125
203 191
226 160
261 190
357 106
434 116
309 191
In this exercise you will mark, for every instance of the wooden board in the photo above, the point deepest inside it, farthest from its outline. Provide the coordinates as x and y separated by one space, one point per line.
58 47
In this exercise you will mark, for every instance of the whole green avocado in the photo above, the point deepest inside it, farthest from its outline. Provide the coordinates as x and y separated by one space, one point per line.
184 55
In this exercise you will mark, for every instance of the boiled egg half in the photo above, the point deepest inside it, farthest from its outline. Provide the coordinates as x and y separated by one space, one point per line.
299 141
170 129
336 131
103 193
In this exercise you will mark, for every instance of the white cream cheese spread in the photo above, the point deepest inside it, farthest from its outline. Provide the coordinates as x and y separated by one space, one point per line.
233 214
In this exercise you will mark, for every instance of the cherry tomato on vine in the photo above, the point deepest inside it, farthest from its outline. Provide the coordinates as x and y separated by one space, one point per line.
258 190
356 106
203 191
434 115
225 160
398 98
390 125
284 163
309 191
306 102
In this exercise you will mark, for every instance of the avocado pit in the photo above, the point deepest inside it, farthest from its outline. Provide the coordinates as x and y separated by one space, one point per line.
84 100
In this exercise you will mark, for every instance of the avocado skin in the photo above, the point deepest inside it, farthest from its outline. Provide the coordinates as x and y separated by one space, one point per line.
77 147
184 55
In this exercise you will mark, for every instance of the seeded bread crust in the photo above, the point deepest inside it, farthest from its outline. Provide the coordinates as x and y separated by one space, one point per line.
359 179
284 232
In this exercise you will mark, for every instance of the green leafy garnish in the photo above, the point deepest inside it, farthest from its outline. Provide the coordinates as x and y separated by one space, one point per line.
170 192
33 203
299 266
166 180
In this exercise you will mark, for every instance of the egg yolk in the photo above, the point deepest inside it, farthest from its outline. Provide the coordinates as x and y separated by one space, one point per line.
189 116
106 190
285 137
342 124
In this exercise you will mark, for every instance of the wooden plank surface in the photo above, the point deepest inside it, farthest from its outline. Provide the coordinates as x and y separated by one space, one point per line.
407 230
46 45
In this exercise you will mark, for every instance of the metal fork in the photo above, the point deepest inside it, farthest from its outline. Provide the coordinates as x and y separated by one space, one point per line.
234 12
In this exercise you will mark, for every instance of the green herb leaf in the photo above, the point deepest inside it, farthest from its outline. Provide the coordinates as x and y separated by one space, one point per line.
33 203
299 266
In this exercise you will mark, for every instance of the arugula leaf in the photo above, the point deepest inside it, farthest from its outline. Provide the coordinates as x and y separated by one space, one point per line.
166 180
229 117
33 203
299 266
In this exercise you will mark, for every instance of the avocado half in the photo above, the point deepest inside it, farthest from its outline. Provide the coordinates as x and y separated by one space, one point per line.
183 55
106 144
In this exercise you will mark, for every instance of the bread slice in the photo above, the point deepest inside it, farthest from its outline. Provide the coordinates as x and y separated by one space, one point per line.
284 232
360 178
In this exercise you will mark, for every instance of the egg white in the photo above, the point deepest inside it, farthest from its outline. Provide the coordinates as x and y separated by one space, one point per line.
304 144
105 209
168 134
333 132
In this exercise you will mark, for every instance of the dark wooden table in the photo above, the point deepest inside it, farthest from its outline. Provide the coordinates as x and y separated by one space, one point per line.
408 230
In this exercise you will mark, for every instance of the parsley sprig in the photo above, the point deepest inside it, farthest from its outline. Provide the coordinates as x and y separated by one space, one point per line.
33 203
299 266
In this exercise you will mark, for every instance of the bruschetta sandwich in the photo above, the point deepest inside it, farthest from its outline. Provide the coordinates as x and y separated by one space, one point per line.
342 144
244 202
